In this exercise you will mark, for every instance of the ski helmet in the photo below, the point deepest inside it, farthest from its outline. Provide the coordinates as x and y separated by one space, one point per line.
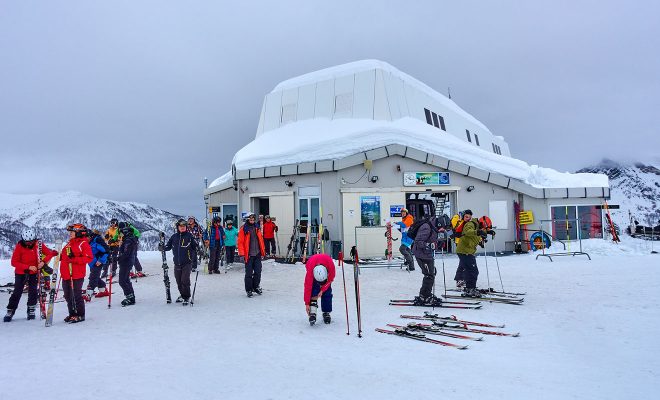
79 229
181 222
124 228
28 235
320 273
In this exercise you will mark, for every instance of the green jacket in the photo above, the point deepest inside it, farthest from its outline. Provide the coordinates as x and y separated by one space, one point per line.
469 240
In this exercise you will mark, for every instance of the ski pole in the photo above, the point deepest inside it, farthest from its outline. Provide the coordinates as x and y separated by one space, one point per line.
487 274
442 257
356 275
498 266
192 299
343 278
110 286
73 291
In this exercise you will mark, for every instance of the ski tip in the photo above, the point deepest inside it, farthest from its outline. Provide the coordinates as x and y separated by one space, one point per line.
516 334
462 347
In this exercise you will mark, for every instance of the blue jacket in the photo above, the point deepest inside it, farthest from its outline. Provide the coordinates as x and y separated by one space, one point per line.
98 251
405 240
209 235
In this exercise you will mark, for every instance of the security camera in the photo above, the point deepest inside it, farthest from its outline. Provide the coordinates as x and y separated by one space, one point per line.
374 179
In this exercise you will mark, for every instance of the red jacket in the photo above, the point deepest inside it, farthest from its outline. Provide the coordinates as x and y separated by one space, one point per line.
82 255
269 230
244 242
316 259
23 258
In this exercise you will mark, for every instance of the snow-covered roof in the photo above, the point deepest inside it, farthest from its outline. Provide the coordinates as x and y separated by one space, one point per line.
324 139
368 65
223 180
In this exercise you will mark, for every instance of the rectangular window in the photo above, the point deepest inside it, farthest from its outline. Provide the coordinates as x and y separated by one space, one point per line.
469 138
442 123
428 116
499 150
476 139
591 222
494 150
435 120
564 222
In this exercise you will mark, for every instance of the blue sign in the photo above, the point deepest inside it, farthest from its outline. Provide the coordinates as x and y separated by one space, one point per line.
395 210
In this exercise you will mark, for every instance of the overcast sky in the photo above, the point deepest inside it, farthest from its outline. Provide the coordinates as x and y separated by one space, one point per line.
139 100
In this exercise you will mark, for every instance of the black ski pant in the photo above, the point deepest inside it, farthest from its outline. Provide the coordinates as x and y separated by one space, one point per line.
407 255
229 252
467 268
124 279
19 283
215 254
136 262
326 297
182 277
428 269
270 245
74 295
95 277
252 273
112 260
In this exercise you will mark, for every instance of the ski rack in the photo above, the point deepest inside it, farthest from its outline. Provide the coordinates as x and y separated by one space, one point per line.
565 253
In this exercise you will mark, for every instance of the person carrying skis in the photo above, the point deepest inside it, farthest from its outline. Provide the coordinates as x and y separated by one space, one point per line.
423 248
405 223
269 228
113 238
100 251
318 279
214 239
28 258
197 233
184 249
136 263
231 234
470 236
76 254
251 247
126 258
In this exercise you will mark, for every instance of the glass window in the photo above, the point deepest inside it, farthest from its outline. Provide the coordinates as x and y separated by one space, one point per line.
591 222
435 119
469 138
442 122
428 116
230 212
564 224
476 139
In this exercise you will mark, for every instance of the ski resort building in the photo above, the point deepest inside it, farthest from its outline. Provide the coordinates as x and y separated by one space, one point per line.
349 146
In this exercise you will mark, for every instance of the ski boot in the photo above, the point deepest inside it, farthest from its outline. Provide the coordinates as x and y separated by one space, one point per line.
312 312
326 317
68 318
131 275
472 293
185 302
421 300
87 297
31 312
74 319
10 315
179 299
434 301
460 284
102 293
258 291
249 293
140 274
129 300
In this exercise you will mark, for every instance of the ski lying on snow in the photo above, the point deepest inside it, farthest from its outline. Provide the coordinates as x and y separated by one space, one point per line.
518 301
419 336
438 305
494 293
467 303
464 328
435 331
435 317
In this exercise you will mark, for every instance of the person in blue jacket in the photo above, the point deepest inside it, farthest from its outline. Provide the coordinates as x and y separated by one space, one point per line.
214 239
96 266
406 242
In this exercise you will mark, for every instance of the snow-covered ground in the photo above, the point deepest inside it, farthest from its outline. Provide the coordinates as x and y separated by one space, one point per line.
588 329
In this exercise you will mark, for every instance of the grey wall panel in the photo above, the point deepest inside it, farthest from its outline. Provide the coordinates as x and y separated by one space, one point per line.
290 96
272 171
498 179
260 127
390 91
349 161
577 192
397 149
242 174
273 111
306 102
257 173
306 168
363 94
325 99
324 166
438 161
376 154
478 173
554 193
290 169
415 154
594 192
459 167
381 108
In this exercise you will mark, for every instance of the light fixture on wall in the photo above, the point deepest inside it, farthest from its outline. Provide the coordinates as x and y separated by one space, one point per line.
235 184
289 183
398 168
469 188
374 179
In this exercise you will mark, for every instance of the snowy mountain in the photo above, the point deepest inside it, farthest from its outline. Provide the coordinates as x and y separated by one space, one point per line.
635 187
50 213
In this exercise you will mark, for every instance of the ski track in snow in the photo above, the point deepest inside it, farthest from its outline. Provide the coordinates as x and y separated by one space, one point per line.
588 331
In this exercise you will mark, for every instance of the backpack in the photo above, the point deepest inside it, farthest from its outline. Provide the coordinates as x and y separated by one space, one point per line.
485 223
104 245
414 228
135 231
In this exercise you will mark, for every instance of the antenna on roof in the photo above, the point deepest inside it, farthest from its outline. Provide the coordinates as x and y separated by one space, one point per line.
449 92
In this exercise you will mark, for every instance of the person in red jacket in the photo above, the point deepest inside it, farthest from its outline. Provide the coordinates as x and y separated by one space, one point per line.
319 277
269 228
76 254
30 255
251 247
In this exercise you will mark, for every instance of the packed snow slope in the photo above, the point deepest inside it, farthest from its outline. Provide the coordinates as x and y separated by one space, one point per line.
50 213
588 331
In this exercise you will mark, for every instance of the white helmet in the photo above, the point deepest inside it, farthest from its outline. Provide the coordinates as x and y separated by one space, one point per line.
320 273
28 234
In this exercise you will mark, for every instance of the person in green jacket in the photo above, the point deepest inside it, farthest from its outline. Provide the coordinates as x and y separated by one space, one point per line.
470 236
231 233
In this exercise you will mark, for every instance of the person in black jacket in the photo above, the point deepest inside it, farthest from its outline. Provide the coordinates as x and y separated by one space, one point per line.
184 249
125 259
424 250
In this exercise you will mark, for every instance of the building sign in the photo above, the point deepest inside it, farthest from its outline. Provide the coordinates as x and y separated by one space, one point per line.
370 210
395 210
214 209
525 218
425 178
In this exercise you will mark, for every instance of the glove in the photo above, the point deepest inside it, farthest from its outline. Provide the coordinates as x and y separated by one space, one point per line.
483 234
161 247
491 232
277 229
47 270
69 253
456 235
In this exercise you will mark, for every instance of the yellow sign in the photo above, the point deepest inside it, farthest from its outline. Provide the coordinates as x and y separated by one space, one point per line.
526 217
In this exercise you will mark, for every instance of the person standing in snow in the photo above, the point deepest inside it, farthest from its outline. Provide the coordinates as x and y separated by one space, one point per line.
184 249
113 238
126 258
251 247
214 239
136 263
27 261
197 233
405 223
97 265
470 236
76 254
320 272
269 228
424 250
231 234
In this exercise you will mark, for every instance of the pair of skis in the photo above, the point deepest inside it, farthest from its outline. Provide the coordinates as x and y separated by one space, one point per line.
53 285
491 299
465 305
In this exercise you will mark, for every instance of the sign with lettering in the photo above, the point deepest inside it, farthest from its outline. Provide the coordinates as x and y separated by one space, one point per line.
526 218
425 178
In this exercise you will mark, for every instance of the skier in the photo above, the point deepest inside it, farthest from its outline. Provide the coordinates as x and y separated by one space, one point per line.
470 236
136 263
184 249
423 247
251 247
27 261
405 223
214 239
231 234
318 279
269 228
100 251
198 233
113 238
76 254
126 259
